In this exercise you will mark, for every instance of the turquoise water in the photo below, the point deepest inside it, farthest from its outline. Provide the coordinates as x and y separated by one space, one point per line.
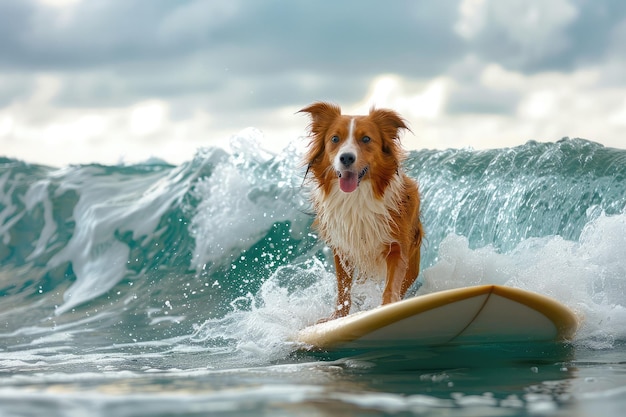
157 290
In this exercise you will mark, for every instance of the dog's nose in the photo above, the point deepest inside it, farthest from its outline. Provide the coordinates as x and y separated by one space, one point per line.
347 159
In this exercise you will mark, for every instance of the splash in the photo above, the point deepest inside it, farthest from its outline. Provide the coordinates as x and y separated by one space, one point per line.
244 197
588 275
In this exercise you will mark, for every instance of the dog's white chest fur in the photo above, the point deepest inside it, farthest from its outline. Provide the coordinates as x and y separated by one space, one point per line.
359 226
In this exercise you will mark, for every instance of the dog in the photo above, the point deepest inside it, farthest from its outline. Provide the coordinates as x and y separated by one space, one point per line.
367 209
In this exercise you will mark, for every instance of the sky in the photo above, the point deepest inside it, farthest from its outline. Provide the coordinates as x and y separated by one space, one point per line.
117 81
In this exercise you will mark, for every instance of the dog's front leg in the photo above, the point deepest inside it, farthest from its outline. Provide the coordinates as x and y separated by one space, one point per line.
396 270
344 286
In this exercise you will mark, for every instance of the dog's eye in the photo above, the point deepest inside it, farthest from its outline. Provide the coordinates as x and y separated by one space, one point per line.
366 139
335 139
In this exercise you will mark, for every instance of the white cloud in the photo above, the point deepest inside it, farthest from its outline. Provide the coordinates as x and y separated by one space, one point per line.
419 100
539 105
618 118
46 89
60 136
472 17
552 105
148 117
171 77
6 125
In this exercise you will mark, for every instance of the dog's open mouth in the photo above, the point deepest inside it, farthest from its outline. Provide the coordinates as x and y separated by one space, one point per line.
348 180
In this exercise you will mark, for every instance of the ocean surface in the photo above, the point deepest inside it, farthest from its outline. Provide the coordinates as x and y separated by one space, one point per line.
160 290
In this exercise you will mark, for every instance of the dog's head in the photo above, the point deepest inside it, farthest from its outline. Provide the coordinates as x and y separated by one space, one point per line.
351 149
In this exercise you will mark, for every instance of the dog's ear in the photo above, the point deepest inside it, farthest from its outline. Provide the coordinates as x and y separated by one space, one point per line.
322 115
389 122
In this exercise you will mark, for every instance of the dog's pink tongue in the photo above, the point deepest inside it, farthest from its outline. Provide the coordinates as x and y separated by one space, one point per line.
348 182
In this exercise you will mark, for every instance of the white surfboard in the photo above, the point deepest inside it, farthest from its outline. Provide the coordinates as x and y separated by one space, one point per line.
472 315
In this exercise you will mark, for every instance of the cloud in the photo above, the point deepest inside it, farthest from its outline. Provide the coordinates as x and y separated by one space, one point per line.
523 34
155 77
472 93
116 52
245 37
548 106
535 35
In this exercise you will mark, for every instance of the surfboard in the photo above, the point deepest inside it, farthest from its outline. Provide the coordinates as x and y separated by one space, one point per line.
472 315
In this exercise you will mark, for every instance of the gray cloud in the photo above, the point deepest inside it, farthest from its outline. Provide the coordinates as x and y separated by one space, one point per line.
116 50
334 39
535 36
14 86
478 99
228 64
405 37
328 36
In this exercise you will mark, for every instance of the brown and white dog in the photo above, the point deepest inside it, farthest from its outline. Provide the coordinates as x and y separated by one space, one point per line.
367 209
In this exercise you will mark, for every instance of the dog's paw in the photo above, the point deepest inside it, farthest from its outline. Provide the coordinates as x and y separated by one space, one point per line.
336 315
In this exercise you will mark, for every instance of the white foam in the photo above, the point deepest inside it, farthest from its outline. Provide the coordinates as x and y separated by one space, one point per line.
588 275
261 326
238 203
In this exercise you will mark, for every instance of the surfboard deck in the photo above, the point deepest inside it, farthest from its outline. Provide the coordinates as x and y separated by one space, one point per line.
473 315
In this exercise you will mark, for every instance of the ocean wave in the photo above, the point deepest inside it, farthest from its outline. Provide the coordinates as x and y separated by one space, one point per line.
157 251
